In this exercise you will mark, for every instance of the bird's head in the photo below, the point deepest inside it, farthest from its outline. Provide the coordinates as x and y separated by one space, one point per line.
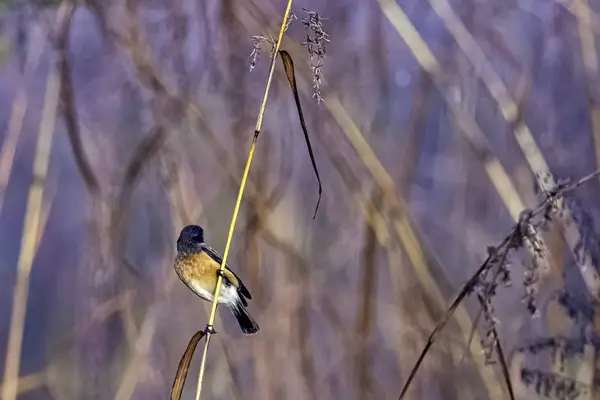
190 238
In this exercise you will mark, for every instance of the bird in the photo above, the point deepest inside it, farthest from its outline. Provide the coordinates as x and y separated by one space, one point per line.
198 266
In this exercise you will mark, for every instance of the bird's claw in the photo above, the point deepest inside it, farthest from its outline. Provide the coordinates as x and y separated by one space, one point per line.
209 329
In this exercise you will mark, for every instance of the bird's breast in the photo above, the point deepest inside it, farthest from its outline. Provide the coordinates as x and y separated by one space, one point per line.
199 273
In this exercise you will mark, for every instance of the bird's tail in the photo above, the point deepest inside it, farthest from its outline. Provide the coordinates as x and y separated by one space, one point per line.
247 323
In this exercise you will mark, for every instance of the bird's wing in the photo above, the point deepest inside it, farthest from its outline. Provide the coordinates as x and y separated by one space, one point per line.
212 253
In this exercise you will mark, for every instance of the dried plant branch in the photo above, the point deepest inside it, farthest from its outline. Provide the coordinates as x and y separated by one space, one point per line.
510 111
315 44
497 261
549 384
184 366
33 214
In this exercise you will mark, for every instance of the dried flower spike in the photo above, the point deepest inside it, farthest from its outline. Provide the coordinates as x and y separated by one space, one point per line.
290 19
315 44
255 50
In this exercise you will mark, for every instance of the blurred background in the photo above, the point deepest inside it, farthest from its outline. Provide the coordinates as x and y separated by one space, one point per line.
125 120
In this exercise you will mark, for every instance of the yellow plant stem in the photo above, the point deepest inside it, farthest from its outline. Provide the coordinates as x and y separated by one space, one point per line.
32 223
236 209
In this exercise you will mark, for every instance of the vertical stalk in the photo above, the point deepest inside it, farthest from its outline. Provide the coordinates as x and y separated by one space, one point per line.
240 194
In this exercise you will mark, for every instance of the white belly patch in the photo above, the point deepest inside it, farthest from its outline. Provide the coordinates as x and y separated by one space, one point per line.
227 295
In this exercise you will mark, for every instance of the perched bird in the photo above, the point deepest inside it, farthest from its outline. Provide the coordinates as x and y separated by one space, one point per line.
197 265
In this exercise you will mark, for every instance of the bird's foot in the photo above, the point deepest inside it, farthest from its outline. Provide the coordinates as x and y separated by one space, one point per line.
221 273
209 329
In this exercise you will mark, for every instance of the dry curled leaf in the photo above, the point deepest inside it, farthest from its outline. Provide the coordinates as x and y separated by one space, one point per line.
288 65
184 366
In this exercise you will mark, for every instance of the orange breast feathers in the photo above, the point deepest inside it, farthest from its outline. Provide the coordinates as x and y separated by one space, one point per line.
201 268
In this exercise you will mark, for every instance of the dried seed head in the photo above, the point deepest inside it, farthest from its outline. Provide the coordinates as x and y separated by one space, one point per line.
291 17
552 385
315 44
255 50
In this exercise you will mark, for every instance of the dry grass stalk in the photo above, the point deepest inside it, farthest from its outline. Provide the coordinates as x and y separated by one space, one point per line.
367 307
33 215
15 123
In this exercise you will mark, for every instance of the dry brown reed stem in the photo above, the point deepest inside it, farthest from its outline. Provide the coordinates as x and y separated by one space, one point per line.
33 214
367 311
525 139
184 365
17 115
